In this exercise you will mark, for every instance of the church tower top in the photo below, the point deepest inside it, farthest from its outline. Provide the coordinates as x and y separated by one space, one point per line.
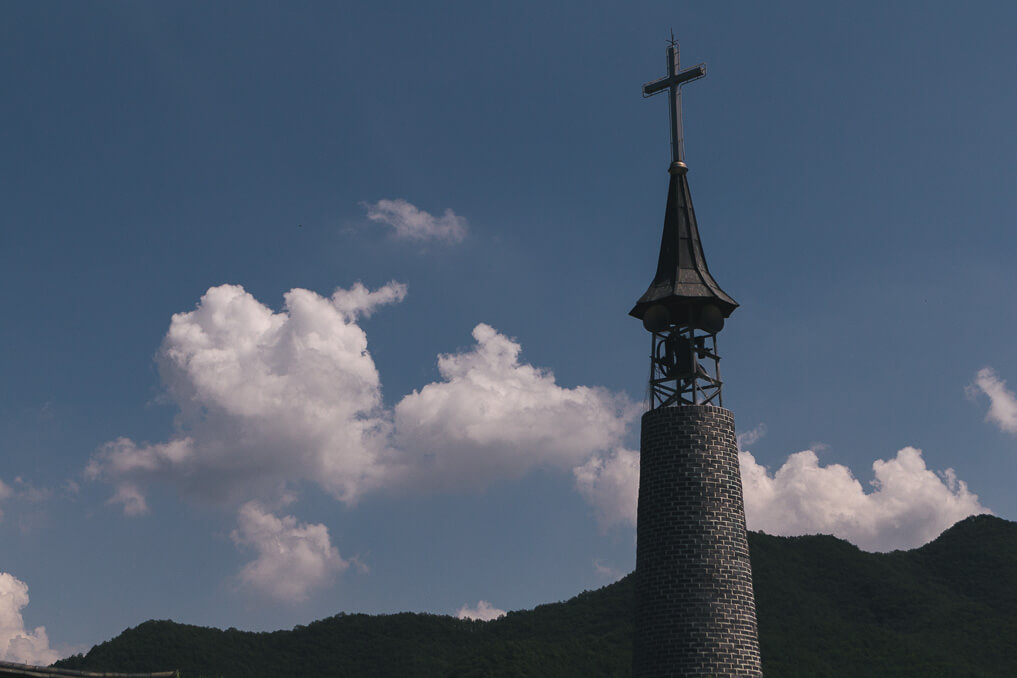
684 308
683 283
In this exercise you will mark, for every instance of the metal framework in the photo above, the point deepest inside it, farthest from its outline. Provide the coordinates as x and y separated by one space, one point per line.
677 377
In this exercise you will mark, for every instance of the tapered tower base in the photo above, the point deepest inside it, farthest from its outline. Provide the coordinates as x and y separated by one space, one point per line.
695 609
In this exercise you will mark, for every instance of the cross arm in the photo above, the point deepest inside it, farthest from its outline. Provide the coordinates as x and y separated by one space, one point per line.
681 78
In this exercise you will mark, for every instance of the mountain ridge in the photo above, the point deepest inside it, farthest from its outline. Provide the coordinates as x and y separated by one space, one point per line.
825 608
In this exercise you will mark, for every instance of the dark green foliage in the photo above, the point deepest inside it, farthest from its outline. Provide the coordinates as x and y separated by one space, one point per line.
947 609
825 609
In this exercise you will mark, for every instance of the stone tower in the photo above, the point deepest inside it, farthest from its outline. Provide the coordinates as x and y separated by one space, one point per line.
695 609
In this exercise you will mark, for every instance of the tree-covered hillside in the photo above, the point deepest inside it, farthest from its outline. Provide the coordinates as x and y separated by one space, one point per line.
825 609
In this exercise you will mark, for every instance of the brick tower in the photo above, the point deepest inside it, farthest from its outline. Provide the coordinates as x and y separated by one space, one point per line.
695 609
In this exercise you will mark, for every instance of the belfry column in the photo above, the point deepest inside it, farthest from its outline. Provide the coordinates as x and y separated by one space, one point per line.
695 608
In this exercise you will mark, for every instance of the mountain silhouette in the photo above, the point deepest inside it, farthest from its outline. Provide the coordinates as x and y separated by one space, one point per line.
825 609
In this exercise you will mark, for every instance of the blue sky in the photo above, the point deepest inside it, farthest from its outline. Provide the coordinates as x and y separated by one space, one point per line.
492 178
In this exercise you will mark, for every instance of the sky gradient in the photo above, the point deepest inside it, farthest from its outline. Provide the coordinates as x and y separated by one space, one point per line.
325 309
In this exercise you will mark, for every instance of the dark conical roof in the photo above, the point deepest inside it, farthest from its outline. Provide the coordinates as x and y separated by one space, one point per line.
683 278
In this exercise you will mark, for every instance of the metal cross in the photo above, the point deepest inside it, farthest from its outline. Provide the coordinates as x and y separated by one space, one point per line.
673 82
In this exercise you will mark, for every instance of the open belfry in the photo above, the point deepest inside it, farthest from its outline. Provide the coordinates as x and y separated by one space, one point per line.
695 609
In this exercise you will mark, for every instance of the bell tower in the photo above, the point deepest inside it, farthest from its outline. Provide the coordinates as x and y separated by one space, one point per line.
695 608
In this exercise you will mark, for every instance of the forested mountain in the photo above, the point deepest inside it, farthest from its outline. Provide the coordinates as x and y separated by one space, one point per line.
825 608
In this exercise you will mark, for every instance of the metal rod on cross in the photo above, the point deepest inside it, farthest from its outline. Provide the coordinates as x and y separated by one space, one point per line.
673 83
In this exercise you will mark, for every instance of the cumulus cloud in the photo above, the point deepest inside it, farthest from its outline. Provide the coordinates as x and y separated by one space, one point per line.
18 644
483 611
130 498
493 417
413 223
1002 401
909 505
292 559
611 485
265 400
269 400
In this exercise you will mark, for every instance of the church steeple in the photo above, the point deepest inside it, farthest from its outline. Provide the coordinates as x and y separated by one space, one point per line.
695 608
684 307
683 279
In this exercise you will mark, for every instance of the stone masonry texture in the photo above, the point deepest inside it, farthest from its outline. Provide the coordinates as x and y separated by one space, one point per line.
695 610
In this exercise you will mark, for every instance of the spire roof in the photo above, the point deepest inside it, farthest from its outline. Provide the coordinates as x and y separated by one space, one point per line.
683 278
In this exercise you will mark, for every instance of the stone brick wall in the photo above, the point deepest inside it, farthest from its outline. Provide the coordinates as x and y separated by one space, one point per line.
695 610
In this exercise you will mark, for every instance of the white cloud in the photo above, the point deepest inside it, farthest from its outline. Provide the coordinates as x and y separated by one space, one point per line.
611 485
130 497
358 301
292 558
483 611
908 506
607 572
5 493
18 644
266 400
751 437
271 400
413 223
493 417
1002 401
24 492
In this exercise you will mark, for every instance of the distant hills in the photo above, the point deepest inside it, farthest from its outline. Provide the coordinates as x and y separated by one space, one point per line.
825 608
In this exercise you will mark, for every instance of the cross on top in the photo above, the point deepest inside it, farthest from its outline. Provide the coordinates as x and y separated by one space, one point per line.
673 82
